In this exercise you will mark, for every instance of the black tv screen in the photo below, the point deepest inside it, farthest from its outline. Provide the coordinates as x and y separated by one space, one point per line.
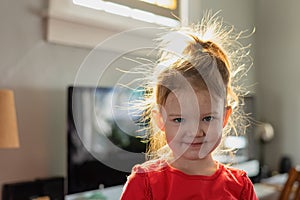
103 138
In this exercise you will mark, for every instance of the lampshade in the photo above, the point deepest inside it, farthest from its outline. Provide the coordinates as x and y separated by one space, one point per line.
265 132
8 120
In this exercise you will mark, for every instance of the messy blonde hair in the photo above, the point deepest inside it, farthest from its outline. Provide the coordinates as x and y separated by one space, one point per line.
207 55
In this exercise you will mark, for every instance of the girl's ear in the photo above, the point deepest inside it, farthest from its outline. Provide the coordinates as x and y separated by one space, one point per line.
157 116
227 113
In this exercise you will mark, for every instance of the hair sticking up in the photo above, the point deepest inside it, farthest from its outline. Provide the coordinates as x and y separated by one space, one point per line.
209 51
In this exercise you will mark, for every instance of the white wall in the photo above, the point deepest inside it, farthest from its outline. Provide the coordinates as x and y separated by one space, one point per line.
276 67
278 70
39 73
240 14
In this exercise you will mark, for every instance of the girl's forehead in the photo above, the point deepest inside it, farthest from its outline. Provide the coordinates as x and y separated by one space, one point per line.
188 93
189 96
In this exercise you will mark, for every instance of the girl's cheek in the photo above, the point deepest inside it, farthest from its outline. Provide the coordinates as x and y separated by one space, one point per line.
214 131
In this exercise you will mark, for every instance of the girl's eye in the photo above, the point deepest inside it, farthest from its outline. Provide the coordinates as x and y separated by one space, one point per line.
208 118
178 120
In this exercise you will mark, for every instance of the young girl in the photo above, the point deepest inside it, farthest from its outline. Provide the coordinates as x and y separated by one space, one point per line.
192 104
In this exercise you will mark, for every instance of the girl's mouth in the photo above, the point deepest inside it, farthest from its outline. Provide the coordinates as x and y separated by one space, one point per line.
195 143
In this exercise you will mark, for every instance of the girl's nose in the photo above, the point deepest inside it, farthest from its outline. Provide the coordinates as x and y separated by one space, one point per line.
200 131
196 130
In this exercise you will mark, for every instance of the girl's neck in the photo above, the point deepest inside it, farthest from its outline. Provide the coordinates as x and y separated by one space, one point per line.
206 166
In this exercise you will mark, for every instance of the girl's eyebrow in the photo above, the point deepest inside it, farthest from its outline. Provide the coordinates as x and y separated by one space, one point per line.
203 114
211 113
174 115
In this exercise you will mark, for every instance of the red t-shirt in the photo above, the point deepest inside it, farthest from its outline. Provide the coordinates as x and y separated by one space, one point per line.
170 183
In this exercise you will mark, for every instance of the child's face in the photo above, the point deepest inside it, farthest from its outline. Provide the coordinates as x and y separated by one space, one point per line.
193 123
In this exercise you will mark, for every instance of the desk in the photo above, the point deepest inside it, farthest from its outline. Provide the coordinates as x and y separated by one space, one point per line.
110 193
270 188
266 192
263 192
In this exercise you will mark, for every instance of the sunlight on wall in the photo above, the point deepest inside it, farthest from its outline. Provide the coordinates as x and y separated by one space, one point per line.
170 4
126 11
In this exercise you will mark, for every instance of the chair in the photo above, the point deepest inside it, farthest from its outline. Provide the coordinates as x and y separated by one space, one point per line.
292 185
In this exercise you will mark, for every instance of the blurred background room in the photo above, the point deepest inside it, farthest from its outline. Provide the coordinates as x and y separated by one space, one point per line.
48 46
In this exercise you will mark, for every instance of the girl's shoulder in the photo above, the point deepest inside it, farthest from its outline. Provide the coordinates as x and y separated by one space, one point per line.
234 170
234 174
238 179
149 166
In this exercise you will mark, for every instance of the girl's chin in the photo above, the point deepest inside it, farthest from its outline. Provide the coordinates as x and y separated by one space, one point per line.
193 151
193 154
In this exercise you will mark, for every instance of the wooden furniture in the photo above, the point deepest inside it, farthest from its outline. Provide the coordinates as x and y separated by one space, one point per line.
292 186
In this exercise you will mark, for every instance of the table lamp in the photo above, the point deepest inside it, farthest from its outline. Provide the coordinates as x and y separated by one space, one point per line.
8 120
264 134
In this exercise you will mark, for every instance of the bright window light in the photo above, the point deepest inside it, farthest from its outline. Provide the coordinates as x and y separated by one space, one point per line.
235 142
126 11
170 4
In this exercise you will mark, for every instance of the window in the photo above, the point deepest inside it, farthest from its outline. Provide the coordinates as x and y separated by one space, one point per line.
86 23
170 4
161 12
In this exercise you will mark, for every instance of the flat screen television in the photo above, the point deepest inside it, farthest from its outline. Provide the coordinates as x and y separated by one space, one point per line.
103 142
